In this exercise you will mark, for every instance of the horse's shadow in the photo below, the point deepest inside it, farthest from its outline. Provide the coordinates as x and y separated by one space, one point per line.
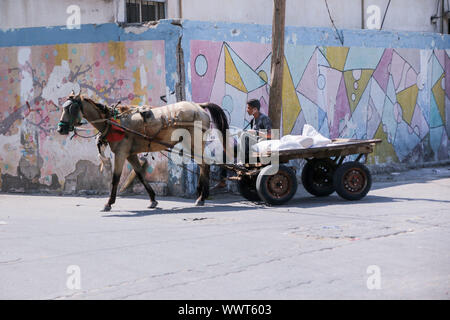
180 210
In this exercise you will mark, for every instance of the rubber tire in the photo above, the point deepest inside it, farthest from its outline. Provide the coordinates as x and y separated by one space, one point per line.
264 190
309 175
247 188
343 187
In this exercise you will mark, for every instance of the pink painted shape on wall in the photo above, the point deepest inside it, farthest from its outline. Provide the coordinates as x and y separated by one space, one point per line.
418 123
252 53
201 84
397 69
381 73
440 55
341 110
218 87
333 79
411 78
308 83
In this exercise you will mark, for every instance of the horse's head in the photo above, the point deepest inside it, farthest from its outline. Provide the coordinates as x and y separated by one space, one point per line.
71 115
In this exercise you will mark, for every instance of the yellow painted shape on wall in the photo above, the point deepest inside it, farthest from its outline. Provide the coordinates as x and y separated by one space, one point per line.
118 51
291 105
337 56
263 75
439 96
354 95
232 76
407 99
384 151
63 53
138 91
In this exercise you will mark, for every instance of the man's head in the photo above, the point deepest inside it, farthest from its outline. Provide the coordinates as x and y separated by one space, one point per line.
253 106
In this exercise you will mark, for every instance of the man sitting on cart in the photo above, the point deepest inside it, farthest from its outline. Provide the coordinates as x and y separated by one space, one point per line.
260 127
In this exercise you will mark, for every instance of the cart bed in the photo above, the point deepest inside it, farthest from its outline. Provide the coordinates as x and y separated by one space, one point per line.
338 147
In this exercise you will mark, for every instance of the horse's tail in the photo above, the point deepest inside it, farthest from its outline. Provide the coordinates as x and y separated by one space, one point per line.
220 119
218 116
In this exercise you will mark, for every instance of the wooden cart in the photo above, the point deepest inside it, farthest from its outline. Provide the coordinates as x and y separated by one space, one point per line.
324 172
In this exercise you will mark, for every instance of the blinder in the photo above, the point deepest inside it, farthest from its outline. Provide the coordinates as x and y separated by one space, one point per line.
72 107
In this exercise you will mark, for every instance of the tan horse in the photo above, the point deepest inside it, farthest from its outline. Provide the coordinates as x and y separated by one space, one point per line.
143 129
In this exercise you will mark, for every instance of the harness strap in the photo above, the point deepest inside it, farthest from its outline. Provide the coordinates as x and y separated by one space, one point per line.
140 134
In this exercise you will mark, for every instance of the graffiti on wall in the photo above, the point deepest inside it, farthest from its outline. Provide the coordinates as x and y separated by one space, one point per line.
396 95
35 81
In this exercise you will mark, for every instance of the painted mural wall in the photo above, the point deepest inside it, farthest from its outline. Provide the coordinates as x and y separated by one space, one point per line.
353 84
33 155
398 95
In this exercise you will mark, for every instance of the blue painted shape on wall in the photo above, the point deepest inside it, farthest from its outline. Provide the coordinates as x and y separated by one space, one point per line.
405 140
435 116
250 78
436 138
363 58
297 58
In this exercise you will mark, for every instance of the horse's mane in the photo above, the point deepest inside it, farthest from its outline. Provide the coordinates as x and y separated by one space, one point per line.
102 107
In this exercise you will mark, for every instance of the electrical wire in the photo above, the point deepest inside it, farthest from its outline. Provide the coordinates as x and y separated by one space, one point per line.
385 13
334 26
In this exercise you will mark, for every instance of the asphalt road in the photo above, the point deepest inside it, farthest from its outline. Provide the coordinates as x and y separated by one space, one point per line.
393 244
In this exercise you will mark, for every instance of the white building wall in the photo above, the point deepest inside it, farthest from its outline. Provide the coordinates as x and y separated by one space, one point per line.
38 13
409 15
406 15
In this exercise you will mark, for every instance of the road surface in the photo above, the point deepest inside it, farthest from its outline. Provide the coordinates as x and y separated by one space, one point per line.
393 244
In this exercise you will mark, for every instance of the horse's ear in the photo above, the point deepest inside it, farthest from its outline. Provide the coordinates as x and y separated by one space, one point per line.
76 92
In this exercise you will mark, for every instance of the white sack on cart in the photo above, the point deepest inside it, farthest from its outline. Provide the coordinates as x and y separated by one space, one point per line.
309 138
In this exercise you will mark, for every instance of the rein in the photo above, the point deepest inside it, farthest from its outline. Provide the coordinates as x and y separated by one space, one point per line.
75 133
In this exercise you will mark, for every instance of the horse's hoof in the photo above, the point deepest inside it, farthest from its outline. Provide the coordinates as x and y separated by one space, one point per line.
153 204
107 208
199 203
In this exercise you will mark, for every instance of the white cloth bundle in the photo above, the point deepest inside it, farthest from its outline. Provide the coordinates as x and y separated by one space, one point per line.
309 138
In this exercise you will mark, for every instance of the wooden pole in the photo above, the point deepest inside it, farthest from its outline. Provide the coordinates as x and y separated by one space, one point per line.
362 14
277 63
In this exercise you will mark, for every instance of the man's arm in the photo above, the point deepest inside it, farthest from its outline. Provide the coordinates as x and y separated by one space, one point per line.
267 124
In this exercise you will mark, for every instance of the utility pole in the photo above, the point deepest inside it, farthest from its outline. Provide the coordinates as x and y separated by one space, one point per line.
277 63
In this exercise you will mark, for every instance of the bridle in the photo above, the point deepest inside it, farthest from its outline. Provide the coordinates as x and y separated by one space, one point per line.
73 108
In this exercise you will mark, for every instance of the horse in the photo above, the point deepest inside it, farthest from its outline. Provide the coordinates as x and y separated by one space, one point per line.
130 130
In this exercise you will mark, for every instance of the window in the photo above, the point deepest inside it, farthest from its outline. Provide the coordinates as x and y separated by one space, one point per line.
139 11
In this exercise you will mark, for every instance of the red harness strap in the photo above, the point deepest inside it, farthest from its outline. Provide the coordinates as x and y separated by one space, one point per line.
115 133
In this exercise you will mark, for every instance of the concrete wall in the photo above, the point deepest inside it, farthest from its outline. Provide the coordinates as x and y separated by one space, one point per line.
354 84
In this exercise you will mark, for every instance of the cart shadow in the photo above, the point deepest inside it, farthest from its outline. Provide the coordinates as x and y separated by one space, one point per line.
180 210
314 202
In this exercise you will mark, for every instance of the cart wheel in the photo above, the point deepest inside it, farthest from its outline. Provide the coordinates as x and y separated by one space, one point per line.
278 188
317 177
247 188
352 180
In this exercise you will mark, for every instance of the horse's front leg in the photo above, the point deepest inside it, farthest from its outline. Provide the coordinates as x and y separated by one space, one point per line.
134 161
203 185
119 160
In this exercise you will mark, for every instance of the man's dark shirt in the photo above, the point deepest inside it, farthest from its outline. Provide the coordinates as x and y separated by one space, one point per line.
263 122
